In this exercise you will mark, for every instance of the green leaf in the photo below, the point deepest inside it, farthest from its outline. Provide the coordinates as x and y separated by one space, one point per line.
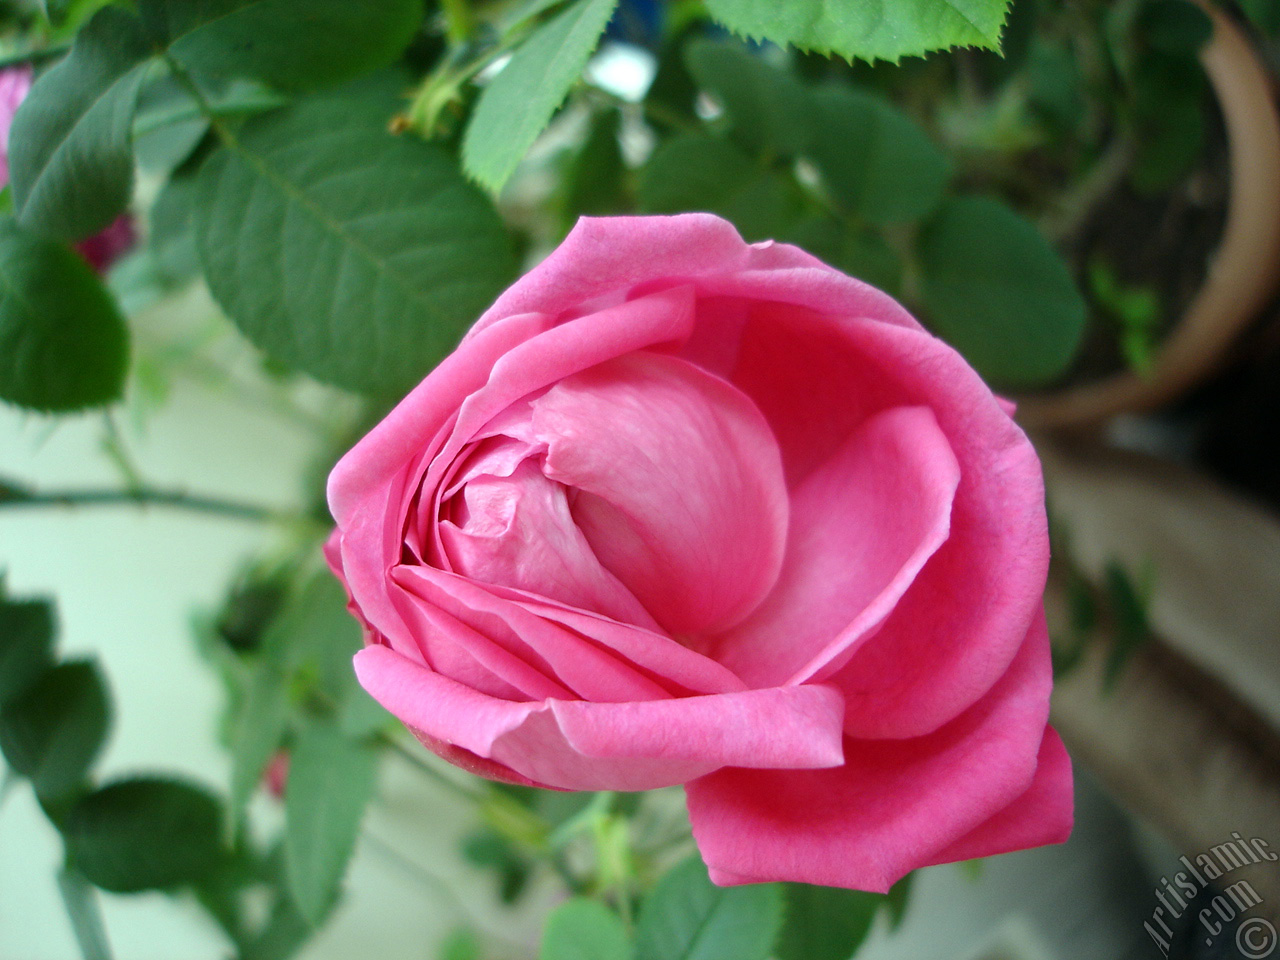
63 343
1264 13
519 102
26 643
256 733
172 237
1129 605
582 929
877 162
290 44
343 251
53 731
331 779
285 932
766 107
860 253
70 150
595 180
825 923
686 917
897 898
868 31
696 171
146 833
994 288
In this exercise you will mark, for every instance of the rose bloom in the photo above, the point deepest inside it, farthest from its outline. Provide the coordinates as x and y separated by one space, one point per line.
684 510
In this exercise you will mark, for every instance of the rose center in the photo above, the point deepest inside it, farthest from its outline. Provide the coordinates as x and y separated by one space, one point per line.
642 489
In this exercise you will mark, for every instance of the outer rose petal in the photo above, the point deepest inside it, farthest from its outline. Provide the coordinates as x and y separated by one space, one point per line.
579 745
862 527
604 258
954 631
895 804
1040 816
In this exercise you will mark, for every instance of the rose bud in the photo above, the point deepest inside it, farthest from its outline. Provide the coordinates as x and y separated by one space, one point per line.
684 510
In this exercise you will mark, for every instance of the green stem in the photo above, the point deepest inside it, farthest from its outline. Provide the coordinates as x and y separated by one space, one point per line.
114 446
458 21
423 765
86 919
180 74
13 495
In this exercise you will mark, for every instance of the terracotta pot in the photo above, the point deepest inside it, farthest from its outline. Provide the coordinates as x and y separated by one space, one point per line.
1246 266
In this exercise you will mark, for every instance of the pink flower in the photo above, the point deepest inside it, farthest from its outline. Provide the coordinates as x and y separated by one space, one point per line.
276 777
14 84
103 248
684 510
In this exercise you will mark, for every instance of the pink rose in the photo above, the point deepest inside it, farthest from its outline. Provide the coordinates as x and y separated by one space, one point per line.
684 510
14 84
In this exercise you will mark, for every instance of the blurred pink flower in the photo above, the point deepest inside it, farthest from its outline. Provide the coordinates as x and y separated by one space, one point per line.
14 84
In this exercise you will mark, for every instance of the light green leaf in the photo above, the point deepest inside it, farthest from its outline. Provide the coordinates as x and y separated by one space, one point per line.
331 779
70 149
26 643
876 161
53 731
63 343
291 44
686 917
519 102
767 108
343 251
996 291
825 923
146 833
582 929
699 172
866 30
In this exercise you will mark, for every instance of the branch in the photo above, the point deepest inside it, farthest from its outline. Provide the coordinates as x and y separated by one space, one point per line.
17 495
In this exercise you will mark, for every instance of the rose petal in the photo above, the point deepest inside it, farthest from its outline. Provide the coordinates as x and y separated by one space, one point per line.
595 746
780 728
401 437
893 805
604 258
677 667
488 662
569 659
1041 816
680 488
440 707
521 534
816 379
665 318
862 526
